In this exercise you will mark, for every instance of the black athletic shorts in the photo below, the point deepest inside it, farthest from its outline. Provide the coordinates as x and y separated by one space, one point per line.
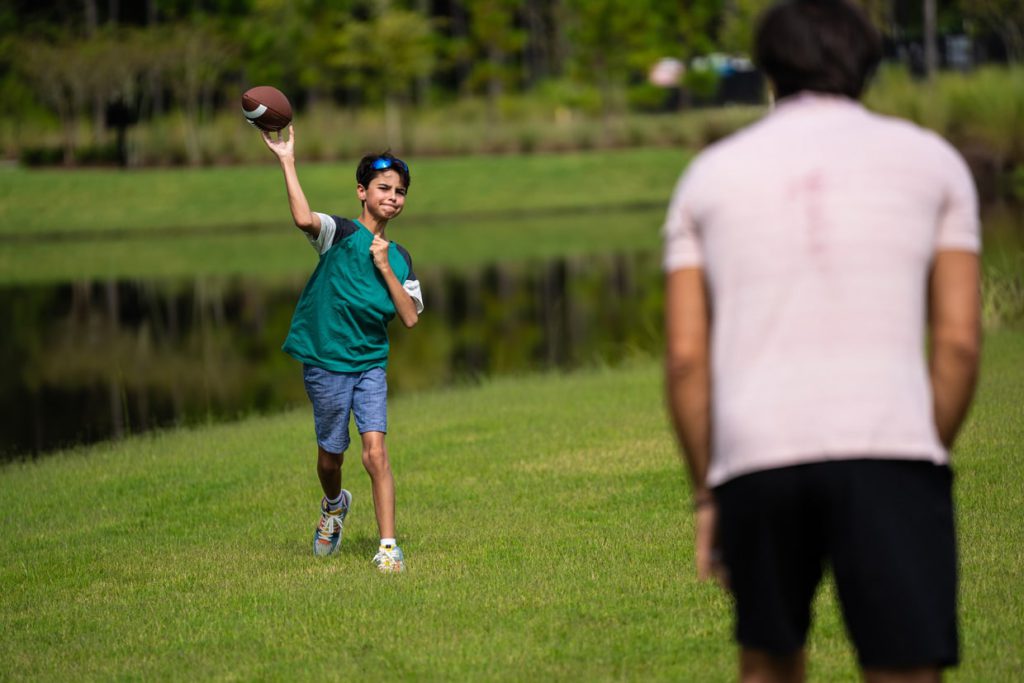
886 529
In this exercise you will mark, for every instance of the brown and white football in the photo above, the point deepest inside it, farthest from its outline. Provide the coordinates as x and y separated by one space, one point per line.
266 107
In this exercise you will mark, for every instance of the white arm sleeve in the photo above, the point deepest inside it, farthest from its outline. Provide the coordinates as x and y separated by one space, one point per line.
325 239
412 287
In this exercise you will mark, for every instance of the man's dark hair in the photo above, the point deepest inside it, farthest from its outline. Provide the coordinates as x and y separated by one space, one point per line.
827 46
366 171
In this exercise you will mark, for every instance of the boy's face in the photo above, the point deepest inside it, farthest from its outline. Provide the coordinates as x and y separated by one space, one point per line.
384 197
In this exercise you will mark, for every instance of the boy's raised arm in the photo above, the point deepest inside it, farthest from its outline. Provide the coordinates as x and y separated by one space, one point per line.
305 220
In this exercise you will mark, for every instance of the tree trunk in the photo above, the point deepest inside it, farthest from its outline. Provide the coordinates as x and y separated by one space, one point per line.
92 18
460 31
190 108
68 126
561 48
153 76
931 55
423 80
92 21
495 87
1013 41
537 60
393 121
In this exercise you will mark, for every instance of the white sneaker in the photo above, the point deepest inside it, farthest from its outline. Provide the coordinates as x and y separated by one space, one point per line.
389 559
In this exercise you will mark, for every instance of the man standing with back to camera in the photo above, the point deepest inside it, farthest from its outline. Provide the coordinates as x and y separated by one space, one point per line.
806 256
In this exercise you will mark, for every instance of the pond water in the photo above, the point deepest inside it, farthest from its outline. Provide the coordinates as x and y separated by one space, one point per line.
89 361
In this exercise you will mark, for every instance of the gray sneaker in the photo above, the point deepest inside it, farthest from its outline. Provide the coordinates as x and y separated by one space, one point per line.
389 559
328 531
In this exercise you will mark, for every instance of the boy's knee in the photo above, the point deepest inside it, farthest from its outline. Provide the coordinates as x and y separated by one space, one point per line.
375 457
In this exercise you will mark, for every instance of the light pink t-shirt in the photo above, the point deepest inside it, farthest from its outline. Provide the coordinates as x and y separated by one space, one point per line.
816 228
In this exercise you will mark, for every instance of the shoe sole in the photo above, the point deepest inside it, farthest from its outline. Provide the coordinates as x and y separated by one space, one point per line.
326 553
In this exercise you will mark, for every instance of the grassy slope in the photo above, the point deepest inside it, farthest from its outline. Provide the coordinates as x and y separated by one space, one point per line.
546 540
59 225
63 201
461 211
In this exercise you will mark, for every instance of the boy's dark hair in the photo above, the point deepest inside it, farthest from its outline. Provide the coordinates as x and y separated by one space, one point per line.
827 46
373 165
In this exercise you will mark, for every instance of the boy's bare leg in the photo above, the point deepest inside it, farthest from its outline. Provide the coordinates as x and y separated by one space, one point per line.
328 468
757 666
375 460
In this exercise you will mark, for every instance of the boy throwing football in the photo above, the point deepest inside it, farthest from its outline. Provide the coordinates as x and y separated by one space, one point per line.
339 334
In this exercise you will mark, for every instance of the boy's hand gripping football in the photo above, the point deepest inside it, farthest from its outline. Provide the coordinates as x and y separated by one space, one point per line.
283 147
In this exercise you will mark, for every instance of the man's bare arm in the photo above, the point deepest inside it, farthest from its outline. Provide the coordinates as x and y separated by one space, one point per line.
954 320
688 383
687 369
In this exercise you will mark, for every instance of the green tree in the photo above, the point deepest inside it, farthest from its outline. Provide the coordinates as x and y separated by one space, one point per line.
497 43
738 25
202 56
288 44
384 56
1005 18
58 77
614 42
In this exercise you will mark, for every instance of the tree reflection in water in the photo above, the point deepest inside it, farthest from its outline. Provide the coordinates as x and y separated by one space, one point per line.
96 360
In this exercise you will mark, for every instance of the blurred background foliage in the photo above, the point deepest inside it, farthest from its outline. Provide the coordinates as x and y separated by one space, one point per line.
157 82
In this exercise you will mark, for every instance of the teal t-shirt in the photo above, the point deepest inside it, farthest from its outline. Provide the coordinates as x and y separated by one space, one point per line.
340 323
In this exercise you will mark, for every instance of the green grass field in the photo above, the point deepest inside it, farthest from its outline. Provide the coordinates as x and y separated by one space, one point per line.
59 201
545 520
58 225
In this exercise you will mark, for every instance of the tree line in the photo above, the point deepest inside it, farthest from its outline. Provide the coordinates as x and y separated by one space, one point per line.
73 59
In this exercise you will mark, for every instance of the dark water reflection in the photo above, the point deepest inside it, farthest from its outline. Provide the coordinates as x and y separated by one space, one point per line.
96 360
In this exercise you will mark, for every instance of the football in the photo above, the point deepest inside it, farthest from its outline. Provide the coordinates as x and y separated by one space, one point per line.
266 107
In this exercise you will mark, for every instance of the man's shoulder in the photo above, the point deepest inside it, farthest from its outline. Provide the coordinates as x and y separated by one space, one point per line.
899 126
915 144
723 153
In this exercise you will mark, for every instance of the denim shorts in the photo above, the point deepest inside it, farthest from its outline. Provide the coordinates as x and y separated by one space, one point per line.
336 394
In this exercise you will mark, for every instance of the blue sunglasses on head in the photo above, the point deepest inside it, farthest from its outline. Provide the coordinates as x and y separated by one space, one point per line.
384 163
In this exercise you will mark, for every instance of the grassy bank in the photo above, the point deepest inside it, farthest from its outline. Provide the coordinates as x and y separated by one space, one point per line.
548 539
59 225
34 202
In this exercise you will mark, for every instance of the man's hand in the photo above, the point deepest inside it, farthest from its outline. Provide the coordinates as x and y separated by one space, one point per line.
708 559
283 147
379 251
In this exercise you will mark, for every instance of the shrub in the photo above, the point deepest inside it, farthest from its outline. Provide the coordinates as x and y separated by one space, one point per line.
42 156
